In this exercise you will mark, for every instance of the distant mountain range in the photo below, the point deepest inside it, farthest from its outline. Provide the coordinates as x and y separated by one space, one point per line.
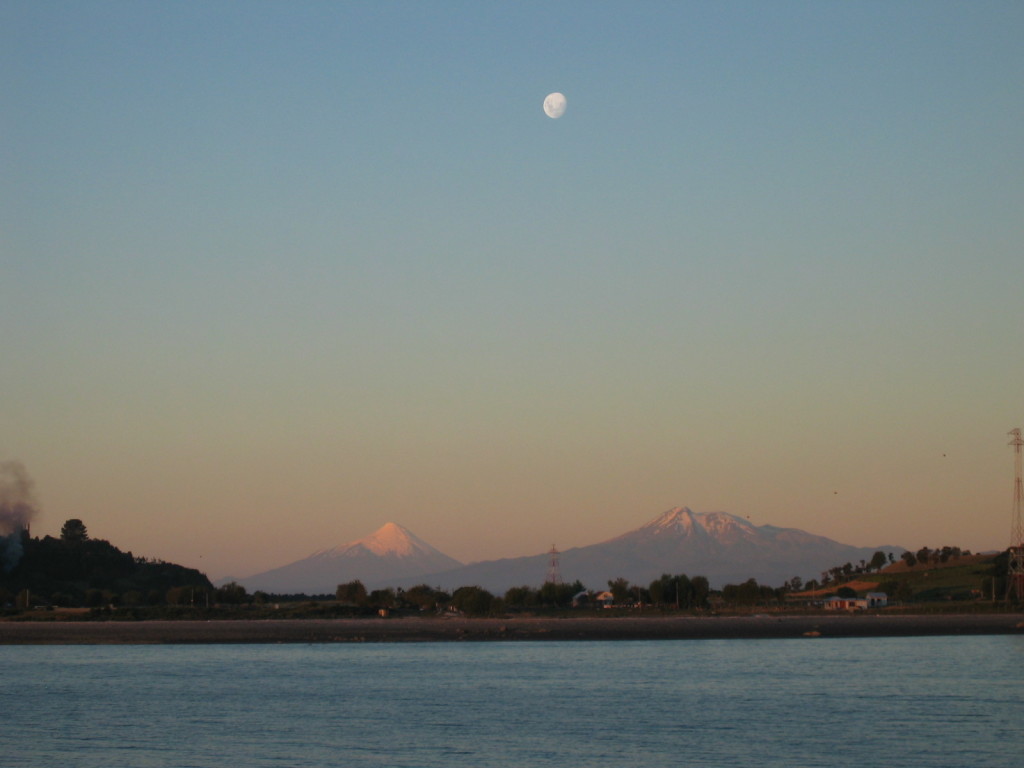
389 556
720 546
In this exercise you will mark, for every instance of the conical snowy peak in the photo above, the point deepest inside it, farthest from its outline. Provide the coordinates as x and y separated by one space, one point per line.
389 553
392 539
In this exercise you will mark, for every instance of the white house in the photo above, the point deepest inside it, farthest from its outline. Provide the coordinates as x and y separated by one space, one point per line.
871 600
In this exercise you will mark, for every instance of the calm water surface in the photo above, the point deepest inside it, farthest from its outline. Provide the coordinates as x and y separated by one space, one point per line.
845 702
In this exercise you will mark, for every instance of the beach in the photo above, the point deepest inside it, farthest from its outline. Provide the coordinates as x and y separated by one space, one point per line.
448 629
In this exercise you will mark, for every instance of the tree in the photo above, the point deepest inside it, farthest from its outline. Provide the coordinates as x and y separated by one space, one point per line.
62 599
671 590
472 601
620 590
904 591
747 593
353 593
684 591
878 561
700 590
521 597
657 589
425 597
558 595
232 593
73 531
382 598
909 559
188 595
890 586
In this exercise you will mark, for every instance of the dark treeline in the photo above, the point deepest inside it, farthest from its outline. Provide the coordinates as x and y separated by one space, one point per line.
668 592
76 570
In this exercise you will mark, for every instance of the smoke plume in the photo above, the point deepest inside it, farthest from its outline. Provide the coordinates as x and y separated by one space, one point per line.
17 508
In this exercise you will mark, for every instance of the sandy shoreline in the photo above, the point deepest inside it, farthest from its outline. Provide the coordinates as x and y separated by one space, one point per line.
507 629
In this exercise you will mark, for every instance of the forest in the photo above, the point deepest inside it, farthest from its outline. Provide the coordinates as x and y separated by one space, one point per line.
77 570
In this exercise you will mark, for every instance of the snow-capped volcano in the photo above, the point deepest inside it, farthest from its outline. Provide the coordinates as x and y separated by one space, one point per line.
724 548
389 554
390 540
682 521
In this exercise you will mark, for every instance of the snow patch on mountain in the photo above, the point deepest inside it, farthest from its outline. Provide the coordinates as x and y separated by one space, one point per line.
390 540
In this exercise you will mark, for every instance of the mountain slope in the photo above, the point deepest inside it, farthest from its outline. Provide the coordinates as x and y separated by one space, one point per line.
389 554
723 547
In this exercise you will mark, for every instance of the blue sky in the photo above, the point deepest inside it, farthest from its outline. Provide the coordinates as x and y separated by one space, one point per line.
273 274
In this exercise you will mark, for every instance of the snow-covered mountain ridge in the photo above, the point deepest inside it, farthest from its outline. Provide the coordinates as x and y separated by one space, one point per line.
723 547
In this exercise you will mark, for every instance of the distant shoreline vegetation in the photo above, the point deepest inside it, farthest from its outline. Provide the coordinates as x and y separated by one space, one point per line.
78 577
77 571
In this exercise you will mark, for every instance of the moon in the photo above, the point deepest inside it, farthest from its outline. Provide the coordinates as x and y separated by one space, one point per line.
554 105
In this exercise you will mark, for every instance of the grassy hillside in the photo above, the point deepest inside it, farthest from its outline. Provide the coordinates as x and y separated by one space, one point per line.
969 577
966 578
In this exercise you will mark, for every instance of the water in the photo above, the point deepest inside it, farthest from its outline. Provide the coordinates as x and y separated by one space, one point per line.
905 701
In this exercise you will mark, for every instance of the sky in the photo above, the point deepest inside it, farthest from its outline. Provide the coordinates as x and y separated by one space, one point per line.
274 274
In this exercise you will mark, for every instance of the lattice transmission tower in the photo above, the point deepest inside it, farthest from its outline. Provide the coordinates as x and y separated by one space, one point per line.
554 570
1015 571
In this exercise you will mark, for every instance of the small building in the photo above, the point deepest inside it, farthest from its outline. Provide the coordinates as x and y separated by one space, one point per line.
844 604
877 599
871 600
605 599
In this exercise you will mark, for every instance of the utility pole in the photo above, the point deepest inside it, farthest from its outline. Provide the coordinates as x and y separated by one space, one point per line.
1015 569
554 571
